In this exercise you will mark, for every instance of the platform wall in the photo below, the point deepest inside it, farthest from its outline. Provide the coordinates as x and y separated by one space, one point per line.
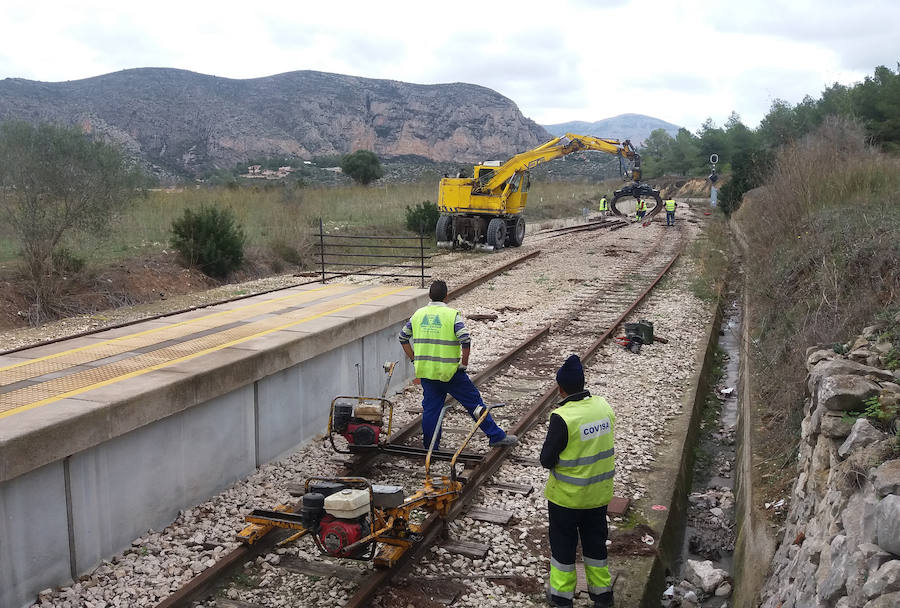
57 522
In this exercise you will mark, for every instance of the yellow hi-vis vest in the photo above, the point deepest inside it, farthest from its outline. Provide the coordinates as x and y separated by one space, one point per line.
670 204
604 206
641 205
583 477
435 345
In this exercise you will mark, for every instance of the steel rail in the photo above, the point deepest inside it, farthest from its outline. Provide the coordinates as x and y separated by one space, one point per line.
458 291
590 228
232 561
593 223
434 526
408 429
206 580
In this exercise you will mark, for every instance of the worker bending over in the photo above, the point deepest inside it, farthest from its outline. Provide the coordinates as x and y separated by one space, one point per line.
440 352
670 211
603 207
640 208
578 450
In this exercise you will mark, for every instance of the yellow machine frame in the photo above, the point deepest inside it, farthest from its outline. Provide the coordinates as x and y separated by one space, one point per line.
392 530
486 210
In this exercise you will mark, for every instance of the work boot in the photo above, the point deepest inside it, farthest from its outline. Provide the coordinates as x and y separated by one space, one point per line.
604 601
557 602
506 442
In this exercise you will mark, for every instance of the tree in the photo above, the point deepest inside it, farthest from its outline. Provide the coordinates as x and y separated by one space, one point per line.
54 180
779 126
682 156
712 140
656 145
363 166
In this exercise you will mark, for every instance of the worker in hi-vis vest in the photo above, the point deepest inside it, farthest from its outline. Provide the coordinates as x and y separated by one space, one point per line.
578 450
604 206
670 211
439 349
640 208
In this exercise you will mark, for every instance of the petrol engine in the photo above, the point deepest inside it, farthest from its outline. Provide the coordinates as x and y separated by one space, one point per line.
360 424
338 516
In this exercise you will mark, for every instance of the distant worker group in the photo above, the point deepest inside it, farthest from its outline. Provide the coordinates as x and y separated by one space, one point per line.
640 209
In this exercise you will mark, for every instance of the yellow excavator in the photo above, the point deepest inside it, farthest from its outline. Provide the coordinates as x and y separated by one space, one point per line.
485 211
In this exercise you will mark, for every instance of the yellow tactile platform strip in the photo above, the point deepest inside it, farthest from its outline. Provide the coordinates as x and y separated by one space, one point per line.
82 381
66 359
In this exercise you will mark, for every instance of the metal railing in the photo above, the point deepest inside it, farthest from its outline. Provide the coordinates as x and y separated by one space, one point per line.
343 255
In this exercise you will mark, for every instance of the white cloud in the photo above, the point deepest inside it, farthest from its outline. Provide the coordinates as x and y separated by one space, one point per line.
575 60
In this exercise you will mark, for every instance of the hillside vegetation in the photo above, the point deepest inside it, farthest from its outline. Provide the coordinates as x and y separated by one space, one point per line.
750 155
823 245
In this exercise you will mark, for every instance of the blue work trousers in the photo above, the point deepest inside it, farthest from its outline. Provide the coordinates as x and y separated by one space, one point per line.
460 387
670 218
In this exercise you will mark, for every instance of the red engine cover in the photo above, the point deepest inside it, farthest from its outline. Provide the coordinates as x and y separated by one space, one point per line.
362 434
336 534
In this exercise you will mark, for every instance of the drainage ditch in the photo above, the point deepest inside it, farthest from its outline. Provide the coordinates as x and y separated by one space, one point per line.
703 576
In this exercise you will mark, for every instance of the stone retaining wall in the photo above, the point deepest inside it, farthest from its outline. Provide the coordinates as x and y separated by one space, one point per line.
841 545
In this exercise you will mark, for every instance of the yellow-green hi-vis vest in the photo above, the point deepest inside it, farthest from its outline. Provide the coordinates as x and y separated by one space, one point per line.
604 206
435 345
670 205
583 477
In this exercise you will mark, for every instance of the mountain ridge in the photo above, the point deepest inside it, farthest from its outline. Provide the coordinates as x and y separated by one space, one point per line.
187 123
636 127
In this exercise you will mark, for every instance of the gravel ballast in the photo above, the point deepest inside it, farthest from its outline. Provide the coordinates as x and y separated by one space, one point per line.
645 390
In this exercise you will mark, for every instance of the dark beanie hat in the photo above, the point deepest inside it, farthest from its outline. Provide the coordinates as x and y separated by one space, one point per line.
570 377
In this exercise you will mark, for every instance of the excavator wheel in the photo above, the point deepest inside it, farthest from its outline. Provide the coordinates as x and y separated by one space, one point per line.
444 229
496 233
516 232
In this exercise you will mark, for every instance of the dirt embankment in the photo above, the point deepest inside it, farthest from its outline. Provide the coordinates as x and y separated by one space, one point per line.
128 290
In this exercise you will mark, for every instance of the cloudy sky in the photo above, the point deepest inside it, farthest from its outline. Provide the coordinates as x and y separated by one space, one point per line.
681 60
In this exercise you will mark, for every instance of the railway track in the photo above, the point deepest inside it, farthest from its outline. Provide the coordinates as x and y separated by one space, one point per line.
595 310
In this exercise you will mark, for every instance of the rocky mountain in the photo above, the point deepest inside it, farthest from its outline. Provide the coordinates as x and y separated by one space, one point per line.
636 127
184 123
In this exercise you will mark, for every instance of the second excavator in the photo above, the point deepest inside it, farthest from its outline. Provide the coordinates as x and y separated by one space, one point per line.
485 211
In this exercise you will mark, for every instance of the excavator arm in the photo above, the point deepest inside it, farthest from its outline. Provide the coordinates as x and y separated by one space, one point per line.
486 209
555 148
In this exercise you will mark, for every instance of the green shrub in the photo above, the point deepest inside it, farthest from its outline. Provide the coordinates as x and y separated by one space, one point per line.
422 217
209 239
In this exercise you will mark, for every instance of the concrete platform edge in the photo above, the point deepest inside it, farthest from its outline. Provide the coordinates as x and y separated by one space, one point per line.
18 456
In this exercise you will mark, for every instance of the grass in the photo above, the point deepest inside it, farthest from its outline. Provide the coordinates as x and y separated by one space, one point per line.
282 217
709 254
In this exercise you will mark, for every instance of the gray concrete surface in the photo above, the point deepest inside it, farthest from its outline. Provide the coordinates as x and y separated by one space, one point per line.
756 541
140 480
82 477
34 534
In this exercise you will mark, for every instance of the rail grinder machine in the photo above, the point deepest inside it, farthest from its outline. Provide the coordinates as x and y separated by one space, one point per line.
351 517
359 424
